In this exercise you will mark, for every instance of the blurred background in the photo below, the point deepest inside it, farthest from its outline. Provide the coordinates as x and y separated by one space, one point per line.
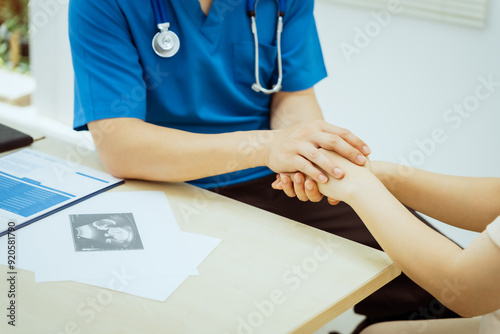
419 81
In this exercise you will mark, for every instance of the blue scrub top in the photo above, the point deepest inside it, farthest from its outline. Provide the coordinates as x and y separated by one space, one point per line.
206 86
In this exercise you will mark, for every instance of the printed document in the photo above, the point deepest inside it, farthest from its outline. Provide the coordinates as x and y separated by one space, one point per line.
34 185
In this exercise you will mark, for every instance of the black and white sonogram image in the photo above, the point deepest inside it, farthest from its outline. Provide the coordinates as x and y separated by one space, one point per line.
105 232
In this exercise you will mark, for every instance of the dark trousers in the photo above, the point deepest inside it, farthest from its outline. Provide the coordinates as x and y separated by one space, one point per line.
401 299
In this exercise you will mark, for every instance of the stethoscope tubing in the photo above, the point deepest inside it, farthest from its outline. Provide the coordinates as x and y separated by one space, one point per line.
257 87
159 11
252 7
163 24
252 12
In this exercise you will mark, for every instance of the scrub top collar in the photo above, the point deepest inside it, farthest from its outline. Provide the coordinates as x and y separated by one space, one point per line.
210 24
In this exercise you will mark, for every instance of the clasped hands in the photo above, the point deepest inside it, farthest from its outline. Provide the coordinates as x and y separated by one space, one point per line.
311 154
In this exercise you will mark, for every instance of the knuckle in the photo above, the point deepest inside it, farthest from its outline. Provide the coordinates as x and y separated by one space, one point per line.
313 126
302 199
335 139
298 179
317 123
301 132
314 196
316 199
343 132
354 153
288 187
298 191
314 155
302 165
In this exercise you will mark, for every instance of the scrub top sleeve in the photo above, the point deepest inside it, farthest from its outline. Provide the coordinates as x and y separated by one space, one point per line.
108 77
303 64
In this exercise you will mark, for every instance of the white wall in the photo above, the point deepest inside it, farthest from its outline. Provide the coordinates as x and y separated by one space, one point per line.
397 89
465 13
51 59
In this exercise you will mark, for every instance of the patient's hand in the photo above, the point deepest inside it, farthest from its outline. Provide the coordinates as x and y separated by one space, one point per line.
355 180
297 184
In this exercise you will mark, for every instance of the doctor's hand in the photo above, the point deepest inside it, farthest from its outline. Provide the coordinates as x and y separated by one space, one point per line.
302 147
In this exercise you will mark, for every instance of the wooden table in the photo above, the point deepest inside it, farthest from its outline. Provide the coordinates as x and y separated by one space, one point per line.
269 275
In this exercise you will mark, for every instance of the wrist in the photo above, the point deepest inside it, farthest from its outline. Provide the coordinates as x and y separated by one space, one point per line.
266 140
352 187
386 172
367 191
250 148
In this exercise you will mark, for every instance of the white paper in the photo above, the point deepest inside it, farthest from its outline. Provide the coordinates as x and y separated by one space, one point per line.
159 288
163 252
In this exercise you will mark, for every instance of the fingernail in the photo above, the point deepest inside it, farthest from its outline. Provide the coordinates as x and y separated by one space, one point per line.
337 171
323 178
367 150
309 186
361 159
284 180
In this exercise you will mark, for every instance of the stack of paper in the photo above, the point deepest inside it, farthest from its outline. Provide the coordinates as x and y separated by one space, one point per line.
124 241
472 13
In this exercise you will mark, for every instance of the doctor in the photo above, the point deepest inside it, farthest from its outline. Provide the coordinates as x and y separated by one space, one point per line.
178 91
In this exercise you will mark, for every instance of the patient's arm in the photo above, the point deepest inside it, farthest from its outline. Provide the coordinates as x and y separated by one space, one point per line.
466 202
464 280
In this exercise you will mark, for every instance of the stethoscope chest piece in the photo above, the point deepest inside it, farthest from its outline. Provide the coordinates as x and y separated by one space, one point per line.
166 43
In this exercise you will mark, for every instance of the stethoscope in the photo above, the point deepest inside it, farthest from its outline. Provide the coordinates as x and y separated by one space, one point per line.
166 43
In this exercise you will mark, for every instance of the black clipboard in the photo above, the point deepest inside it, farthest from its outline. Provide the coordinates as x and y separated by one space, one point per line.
11 139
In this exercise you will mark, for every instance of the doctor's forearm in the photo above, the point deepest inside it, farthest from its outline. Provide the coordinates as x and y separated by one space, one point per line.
290 108
163 154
